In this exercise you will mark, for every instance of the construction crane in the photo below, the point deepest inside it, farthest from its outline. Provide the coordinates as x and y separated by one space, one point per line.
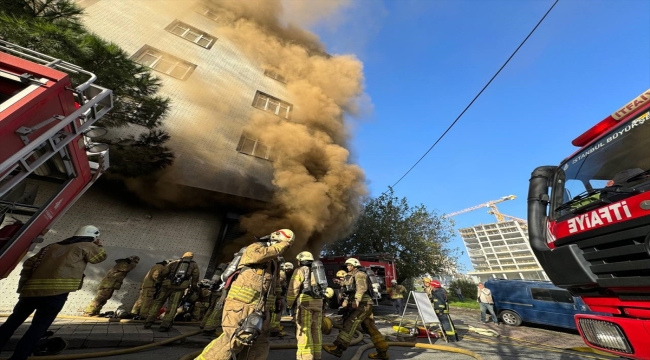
493 209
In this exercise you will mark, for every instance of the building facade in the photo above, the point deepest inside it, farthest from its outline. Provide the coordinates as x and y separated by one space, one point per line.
215 90
501 250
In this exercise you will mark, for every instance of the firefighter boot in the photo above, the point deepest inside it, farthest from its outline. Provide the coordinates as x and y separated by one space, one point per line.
379 355
335 350
147 325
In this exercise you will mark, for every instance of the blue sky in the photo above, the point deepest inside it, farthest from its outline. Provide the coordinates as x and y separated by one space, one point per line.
425 60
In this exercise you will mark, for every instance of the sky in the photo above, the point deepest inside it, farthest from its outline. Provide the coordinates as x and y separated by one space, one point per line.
424 60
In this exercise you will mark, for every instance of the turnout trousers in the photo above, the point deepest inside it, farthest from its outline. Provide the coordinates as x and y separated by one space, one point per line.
309 317
362 315
95 306
227 345
174 296
144 302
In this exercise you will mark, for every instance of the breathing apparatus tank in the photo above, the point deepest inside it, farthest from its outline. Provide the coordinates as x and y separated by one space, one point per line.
232 266
180 274
374 288
318 270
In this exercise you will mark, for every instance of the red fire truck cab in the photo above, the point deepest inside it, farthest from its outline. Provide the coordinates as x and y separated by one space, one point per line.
591 234
47 157
383 265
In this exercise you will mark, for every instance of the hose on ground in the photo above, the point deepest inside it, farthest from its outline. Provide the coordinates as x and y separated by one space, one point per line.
104 319
356 340
362 349
115 352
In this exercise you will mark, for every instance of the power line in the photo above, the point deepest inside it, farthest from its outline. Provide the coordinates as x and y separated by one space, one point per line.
479 94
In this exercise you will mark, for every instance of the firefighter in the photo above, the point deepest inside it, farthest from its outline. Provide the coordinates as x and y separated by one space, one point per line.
212 319
276 328
427 287
288 273
441 307
147 289
45 282
112 281
304 292
176 276
396 293
361 314
340 280
201 300
246 310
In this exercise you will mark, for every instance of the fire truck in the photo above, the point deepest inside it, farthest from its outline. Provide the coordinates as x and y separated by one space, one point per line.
47 156
382 265
589 226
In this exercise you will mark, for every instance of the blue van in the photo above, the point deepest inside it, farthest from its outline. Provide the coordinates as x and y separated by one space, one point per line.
540 302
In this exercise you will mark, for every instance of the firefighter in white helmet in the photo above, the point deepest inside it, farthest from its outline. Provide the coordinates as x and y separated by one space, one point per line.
246 312
177 276
358 285
45 282
303 290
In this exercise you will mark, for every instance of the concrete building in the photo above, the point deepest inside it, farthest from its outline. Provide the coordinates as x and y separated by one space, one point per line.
501 250
215 89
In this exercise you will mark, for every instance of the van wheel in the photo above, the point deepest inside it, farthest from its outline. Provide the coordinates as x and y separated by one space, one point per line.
510 317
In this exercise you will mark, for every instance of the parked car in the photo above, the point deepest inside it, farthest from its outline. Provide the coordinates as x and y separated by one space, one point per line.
540 302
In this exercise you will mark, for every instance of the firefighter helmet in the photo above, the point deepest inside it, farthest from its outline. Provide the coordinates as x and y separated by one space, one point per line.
88 230
305 256
288 266
188 254
426 280
352 261
435 284
329 293
341 274
326 325
393 281
282 235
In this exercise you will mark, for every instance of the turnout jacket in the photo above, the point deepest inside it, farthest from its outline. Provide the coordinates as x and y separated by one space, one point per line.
58 268
258 272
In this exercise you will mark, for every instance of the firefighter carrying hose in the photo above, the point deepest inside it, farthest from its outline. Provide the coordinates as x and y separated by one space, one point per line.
177 276
441 307
112 281
246 314
147 289
361 305
307 289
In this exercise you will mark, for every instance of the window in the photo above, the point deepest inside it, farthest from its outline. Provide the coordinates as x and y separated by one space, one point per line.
164 62
268 103
251 146
192 34
274 75
207 13
562 296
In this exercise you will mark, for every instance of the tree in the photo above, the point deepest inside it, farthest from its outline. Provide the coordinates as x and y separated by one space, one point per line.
467 288
53 27
417 237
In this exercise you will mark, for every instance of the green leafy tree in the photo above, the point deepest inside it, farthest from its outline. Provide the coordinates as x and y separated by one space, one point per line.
417 237
467 288
54 27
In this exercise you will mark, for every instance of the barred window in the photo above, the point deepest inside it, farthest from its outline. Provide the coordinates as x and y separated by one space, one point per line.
252 146
191 33
163 62
268 103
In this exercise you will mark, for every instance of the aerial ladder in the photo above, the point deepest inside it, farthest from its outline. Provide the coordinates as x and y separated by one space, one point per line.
493 210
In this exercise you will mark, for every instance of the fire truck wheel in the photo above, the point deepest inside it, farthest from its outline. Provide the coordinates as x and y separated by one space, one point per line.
510 318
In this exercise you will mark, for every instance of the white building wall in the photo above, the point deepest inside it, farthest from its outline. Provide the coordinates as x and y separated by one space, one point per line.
126 230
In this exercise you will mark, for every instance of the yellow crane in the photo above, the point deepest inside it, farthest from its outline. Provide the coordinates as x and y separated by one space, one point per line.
493 209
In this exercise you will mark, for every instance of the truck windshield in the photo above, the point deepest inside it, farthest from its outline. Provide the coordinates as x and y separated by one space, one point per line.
612 168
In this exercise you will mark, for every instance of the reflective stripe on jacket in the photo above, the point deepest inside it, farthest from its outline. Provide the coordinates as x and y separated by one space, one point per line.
397 292
60 269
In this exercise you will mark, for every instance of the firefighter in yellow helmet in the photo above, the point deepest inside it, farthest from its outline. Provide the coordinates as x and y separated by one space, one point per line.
147 289
306 293
427 288
361 304
112 281
177 276
246 314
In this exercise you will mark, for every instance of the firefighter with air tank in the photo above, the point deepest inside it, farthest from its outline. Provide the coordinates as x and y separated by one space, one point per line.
360 302
212 319
147 289
307 289
176 276
276 312
441 307
246 314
